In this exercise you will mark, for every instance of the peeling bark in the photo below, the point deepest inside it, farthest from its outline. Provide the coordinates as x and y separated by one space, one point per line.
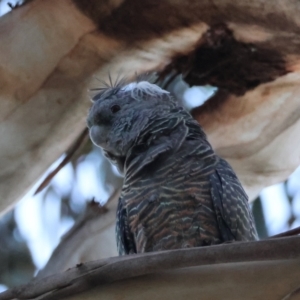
257 133
49 52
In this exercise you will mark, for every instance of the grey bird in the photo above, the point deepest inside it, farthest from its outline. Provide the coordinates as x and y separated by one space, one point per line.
177 192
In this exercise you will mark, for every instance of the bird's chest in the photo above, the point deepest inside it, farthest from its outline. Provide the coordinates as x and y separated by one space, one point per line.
168 205
169 216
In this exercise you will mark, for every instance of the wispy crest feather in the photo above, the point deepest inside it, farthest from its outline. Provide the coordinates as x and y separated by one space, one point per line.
139 88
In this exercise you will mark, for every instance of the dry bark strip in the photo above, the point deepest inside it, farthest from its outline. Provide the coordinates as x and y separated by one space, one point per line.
97 273
232 281
50 50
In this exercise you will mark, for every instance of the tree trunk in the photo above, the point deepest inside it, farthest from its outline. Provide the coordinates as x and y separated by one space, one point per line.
51 50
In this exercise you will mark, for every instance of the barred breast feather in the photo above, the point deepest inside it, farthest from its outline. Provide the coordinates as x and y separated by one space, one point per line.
178 193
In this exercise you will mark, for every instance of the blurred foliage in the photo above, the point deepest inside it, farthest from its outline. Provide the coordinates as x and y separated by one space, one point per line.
16 265
259 218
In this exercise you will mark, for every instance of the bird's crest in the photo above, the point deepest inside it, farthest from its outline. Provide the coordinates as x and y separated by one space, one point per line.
138 88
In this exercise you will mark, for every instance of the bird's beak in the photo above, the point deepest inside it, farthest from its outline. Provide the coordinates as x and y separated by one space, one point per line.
98 135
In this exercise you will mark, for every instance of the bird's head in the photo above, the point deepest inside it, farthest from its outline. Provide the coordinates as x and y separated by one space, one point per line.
121 114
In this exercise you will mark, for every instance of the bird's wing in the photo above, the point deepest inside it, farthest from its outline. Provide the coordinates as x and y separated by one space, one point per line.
125 240
231 205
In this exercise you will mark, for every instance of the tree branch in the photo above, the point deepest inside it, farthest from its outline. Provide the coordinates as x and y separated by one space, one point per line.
92 237
117 268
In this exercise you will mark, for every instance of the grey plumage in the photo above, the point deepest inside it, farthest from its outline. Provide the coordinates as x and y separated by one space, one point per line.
177 192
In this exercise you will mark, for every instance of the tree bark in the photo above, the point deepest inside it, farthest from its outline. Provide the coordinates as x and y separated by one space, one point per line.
49 52
266 269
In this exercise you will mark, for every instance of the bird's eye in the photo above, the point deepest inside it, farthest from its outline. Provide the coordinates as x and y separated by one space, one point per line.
115 108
